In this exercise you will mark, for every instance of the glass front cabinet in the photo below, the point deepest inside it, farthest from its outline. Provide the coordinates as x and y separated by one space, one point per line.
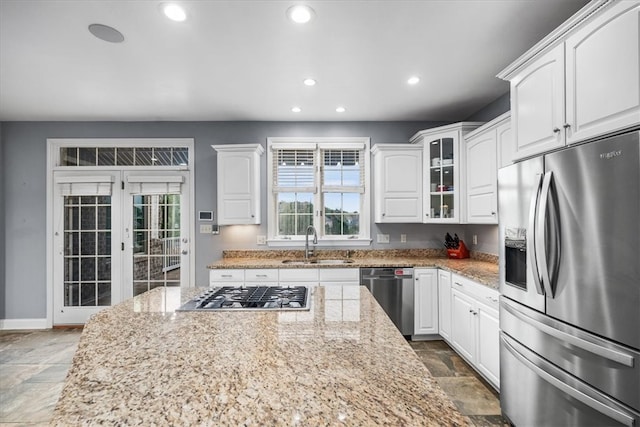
443 166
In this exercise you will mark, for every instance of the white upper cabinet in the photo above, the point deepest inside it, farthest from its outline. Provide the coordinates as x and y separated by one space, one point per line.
580 82
238 186
443 183
603 73
537 105
397 183
483 151
506 148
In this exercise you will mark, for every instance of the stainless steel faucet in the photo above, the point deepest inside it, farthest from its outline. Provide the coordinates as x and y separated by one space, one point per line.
309 252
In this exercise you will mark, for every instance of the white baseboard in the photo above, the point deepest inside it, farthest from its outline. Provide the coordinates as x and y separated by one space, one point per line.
6 324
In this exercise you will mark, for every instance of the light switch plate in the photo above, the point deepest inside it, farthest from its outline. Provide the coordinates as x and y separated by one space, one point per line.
206 228
261 240
403 238
383 238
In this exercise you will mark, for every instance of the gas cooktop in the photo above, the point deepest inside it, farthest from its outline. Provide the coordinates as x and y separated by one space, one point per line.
237 298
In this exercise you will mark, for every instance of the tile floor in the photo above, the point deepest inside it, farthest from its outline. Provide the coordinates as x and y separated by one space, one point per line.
33 366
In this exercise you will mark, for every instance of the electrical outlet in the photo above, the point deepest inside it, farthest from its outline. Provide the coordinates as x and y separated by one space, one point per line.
403 238
475 239
383 238
261 240
206 228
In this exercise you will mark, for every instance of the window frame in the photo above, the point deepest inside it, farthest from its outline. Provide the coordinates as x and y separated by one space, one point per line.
318 145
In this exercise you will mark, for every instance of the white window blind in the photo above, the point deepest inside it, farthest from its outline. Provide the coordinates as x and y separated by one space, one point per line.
343 171
85 186
294 170
153 185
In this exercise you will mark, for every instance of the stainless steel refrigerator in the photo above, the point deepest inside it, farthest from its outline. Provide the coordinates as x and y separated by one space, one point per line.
570 286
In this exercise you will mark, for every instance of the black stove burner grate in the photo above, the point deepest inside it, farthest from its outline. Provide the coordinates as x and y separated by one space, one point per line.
247 297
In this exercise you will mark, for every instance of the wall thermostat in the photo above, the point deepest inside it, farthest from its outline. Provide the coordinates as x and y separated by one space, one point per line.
205 215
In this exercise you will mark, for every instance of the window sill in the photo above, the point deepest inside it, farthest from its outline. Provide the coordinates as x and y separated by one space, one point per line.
322 243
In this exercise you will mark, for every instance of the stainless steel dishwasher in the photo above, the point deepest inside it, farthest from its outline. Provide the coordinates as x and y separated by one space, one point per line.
393 288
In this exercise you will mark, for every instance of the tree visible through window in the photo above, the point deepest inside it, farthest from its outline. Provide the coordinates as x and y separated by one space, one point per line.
321 185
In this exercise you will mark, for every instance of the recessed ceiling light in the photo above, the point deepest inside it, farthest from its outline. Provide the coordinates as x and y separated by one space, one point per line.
309 82
340 110
174 11
296 109
413 80
300 14
106 33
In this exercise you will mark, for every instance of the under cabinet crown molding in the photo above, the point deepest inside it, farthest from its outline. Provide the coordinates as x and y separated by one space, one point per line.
555 37
460 126
489 125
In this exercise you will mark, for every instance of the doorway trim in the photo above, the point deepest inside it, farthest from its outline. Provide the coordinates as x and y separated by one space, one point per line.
53 158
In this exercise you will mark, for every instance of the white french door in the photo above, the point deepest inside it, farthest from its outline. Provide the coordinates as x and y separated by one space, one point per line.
156 230
116 234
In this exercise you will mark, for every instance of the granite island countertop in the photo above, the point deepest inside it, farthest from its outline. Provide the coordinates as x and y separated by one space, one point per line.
483 271
343 362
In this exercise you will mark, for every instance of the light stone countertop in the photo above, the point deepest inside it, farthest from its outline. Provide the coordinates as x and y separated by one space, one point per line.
343 362
483 271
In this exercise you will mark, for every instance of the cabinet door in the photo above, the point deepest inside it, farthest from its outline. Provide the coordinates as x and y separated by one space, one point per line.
537 105
238 186
444 306
442 192
488 349
505 144
603 73
462 325
482 180
426 301
399 187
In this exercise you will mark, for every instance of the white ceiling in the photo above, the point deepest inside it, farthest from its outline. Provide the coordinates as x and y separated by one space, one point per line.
243 60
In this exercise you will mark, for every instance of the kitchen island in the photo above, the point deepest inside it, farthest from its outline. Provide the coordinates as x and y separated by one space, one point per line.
343 362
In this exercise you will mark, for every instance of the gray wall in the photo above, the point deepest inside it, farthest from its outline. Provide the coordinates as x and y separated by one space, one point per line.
2 230
492 110
24 193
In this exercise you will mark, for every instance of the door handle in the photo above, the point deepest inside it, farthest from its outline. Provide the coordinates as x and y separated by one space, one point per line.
540 234
607 353
594 404
531 234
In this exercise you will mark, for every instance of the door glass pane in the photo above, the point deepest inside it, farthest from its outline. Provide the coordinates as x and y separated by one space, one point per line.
156 241
87 251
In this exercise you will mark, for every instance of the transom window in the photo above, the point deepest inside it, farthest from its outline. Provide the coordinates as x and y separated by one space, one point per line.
124 156
321 183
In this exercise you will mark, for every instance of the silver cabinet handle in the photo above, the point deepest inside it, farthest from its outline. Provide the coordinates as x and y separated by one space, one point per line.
261 275
566 125
458 283
226 275
556 130
596 405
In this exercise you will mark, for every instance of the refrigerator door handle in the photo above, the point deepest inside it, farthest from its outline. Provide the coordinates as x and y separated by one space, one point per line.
531 254
607 353
540 234
558 383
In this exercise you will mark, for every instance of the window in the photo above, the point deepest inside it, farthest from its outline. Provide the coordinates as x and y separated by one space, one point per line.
320 182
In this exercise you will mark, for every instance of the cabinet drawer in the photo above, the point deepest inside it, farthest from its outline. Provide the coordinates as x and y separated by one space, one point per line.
261 274
481 293
339 274
226 275
299 274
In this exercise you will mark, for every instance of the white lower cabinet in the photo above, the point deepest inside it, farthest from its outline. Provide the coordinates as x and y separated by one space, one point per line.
444 304
475 326
261 277
226 277
339 276
426 301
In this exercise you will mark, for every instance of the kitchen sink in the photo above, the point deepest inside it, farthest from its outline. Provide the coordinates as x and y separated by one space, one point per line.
317 261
